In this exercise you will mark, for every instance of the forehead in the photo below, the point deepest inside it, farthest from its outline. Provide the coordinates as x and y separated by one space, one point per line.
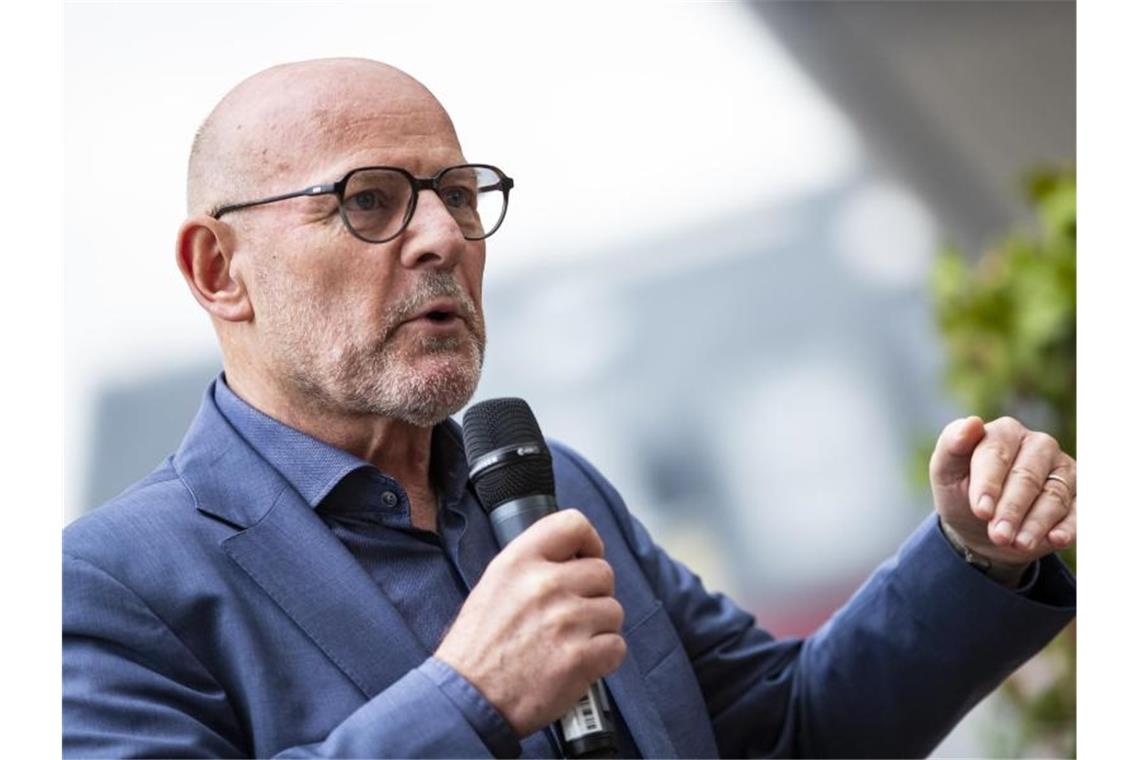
319 131
418 140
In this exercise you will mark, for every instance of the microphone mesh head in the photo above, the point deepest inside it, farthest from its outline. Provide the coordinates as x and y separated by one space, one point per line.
496 424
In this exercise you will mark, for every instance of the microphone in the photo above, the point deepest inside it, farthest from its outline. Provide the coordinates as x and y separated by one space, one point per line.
511 470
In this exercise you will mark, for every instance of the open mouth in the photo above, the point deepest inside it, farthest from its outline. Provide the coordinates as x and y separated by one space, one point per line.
441 313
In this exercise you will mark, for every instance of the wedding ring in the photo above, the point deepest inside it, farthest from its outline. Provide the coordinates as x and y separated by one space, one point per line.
1062 481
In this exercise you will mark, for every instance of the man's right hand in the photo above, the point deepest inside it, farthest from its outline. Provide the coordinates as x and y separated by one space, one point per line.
541 625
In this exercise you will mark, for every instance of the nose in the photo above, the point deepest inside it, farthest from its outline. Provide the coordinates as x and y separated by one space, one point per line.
433 238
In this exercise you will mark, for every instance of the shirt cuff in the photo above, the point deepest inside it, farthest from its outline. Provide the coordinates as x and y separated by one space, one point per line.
1046 580
1029 578
487 721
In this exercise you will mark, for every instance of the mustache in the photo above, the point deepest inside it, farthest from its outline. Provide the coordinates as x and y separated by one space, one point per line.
428 288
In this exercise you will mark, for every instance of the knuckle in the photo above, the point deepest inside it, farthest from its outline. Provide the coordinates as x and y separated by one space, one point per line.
615 614
606 571
619 650
1006 424
564 620
574 517
608 654
564 664
999 452
1027 477
1042 440
543 585
1011 508
511 559
1054 491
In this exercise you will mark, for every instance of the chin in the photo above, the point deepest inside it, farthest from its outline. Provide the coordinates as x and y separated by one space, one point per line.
429 390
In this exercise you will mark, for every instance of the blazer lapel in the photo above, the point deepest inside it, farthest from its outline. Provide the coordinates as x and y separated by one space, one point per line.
305 569
292 555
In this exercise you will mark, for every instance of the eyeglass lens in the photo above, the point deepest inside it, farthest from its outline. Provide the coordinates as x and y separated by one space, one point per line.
377 202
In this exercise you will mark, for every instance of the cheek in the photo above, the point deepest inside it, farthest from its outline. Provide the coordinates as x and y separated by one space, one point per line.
350 284
315 303
472 274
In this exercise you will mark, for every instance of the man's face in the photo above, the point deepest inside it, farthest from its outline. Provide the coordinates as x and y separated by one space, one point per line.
344 324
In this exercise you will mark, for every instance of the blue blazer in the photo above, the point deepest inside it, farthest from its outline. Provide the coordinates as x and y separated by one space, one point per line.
208 611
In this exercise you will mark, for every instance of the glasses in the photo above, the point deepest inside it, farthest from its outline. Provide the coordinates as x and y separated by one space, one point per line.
377 202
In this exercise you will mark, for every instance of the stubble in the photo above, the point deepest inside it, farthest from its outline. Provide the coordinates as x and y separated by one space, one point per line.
419 379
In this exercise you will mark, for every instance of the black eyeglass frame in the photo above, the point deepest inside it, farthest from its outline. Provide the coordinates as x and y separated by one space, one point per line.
418 184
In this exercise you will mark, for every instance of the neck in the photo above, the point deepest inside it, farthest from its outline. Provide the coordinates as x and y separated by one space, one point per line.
395 447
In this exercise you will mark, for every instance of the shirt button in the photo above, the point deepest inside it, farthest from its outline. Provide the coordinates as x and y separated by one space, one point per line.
390 499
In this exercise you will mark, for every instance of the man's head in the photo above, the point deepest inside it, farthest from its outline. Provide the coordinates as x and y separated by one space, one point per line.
306 311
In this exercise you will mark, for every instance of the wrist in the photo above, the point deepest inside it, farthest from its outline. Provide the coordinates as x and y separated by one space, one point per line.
483 716
1008 574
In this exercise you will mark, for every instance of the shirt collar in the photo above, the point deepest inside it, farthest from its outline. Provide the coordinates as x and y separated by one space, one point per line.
314 468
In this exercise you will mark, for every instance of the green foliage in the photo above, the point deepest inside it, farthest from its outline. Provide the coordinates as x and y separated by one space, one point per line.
1009 321
1009 325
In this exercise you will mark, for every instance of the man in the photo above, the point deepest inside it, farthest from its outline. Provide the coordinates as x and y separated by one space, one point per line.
310 574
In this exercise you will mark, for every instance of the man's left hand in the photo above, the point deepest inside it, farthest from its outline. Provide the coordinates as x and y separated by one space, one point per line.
992 488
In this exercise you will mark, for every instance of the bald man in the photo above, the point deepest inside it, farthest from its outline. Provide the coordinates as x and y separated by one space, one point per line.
310 574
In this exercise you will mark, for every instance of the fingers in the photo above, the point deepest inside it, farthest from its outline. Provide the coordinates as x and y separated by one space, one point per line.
580 623
1066 469
589 577
990 464
1024 481
1064 533
606 652
561 536
950 463
589 617
605 615
1051 506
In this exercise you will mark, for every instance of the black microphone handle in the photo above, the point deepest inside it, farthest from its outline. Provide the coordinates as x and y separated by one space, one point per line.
588 726
511 518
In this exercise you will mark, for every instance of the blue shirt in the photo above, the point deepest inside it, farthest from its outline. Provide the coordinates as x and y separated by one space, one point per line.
427 575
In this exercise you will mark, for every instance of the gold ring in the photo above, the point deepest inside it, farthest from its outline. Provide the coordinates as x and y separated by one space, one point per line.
1062 481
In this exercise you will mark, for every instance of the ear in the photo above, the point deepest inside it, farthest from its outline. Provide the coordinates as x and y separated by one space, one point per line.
205 254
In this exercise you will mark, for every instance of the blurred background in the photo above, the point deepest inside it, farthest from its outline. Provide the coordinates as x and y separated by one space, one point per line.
757 256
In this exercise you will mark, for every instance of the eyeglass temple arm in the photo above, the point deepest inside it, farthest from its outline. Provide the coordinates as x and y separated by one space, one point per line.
313 190
505 186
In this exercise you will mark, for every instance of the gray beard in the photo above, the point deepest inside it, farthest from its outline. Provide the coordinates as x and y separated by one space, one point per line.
378 383
376 379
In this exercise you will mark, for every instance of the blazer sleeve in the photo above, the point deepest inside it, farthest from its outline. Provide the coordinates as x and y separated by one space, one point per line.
921 642
131 688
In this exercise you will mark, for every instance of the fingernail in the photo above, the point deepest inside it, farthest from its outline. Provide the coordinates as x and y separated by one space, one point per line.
1059 536
986 506
1003 531
1025 540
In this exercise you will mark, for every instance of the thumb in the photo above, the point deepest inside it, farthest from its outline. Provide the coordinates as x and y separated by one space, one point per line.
950 463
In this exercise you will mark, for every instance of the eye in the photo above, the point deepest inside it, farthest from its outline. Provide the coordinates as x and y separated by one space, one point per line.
366 200
457 197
